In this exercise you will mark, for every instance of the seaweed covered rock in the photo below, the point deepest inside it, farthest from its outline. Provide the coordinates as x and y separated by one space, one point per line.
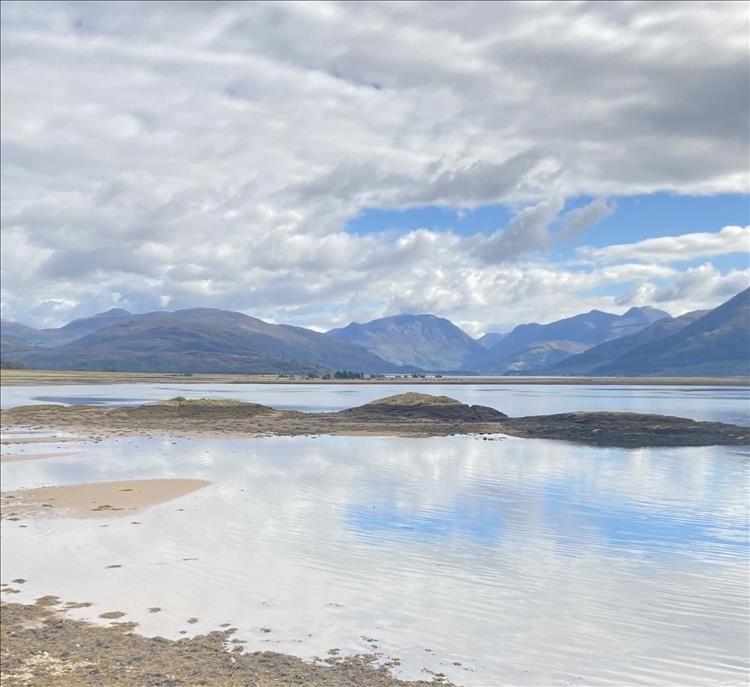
628 430
413 406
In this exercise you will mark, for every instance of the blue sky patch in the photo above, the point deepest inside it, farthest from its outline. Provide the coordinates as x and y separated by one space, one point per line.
635 218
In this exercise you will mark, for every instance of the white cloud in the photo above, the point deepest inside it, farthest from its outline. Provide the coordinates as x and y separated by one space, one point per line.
679 248
211 154
698 288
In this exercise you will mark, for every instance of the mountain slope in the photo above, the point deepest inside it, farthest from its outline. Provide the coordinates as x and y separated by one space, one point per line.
588 328
205 340
19 332
717 344
424 341
609 351
537 356
576 333
86 325
489 339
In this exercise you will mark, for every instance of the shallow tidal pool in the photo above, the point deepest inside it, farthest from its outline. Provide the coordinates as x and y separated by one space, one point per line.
503 561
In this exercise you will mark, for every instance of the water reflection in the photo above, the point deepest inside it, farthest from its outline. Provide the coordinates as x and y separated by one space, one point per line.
526 562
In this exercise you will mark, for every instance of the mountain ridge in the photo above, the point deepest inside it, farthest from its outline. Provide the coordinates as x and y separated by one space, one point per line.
426 341
718 343
570 334
203 340
609 351
640 341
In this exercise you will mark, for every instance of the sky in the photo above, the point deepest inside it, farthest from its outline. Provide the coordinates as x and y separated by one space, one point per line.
320 163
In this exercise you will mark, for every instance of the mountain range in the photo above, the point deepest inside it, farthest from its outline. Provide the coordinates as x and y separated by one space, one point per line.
531 347
715 344
642 341
193 340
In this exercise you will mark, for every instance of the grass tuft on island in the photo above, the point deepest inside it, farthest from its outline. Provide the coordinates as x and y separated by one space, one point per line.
409 415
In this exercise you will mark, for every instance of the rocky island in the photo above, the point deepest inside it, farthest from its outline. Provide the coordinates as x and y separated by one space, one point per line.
408 415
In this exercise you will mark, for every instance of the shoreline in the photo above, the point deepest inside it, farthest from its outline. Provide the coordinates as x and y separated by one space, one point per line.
72 377
42 646
405 415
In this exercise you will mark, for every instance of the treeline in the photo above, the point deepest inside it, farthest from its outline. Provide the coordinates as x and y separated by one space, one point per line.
339 374
345 374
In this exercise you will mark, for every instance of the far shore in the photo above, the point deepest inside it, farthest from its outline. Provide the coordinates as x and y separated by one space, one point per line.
63 377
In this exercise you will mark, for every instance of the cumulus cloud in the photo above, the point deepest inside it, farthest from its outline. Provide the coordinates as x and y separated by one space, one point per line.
680 248
698 288
187 154
579 220
529 230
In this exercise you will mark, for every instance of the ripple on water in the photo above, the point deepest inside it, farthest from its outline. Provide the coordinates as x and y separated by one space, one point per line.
525 561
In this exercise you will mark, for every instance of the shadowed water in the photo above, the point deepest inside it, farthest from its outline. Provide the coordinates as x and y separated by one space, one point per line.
524 561
724 404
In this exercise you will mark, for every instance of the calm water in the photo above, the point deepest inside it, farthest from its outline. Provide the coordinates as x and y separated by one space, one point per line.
726 404
526 561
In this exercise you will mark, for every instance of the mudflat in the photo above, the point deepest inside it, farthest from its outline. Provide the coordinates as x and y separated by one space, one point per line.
42 647
96 499
407 415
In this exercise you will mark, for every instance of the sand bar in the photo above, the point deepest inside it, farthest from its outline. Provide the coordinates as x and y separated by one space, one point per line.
94 500
16 457
9 440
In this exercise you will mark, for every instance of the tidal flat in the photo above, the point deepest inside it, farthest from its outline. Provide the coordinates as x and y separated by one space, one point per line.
479 559
407 414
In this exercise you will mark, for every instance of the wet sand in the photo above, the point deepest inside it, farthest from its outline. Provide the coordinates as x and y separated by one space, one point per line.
8 440
98 499
15 457
42 647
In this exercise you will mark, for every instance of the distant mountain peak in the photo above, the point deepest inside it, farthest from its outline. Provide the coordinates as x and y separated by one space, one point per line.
424 340
646 311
